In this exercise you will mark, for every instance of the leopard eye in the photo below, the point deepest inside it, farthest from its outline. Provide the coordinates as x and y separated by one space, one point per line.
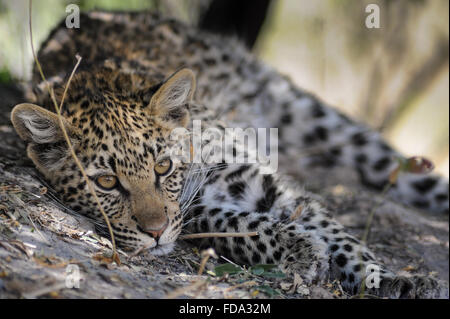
162 168
107 182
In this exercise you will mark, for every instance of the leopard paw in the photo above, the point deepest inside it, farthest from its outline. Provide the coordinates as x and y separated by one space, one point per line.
415 287
306 257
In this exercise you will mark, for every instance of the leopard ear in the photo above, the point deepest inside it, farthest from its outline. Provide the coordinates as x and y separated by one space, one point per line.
171 101
39 127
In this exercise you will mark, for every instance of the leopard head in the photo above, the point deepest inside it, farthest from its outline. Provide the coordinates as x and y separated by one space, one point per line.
119 126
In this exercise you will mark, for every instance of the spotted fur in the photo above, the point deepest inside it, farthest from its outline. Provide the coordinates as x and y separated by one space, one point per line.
133 88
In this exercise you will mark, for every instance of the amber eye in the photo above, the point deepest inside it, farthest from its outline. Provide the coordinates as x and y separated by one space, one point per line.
107 182
162 168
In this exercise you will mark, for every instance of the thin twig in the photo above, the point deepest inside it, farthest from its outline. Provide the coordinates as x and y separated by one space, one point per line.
208 235
206 254
115 256
372 213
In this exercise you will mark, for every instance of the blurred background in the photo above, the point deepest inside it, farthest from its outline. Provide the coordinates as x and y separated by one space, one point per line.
394 78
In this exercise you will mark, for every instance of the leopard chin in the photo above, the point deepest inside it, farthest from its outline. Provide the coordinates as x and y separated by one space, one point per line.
161 250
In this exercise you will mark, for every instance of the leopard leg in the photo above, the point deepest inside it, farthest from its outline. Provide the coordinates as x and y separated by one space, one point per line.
310 243
285 244
355 266
310 248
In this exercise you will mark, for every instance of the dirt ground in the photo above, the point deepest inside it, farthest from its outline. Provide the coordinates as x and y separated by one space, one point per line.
38 241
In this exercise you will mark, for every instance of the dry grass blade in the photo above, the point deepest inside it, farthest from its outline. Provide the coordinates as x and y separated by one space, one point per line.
206 254
115 256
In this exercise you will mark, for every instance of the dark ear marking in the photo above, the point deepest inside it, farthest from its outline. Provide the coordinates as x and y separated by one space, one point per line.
171 100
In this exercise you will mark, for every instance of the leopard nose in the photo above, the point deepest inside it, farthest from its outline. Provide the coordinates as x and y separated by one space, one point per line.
157 233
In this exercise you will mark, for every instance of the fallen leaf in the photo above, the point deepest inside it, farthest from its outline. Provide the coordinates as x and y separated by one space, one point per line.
103 258
285 286
227 269
52 262
418 165
297 282
54 294
43 190
409 268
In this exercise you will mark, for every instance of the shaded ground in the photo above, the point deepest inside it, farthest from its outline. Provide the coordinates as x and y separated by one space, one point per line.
38 241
